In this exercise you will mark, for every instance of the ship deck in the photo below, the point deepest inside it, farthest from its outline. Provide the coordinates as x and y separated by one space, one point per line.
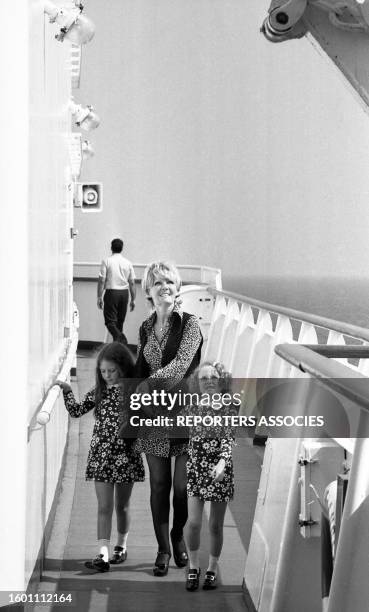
131 585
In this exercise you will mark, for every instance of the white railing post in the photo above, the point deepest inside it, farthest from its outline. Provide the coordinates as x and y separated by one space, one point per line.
350 584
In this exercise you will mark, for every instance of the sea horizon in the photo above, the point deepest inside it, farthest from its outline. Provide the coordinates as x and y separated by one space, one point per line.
340 298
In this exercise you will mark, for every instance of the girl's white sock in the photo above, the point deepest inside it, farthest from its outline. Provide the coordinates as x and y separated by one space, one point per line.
122 540
194 559
104 548
213 564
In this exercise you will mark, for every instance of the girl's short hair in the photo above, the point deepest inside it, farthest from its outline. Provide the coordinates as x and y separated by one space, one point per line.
121 356
157 269
225 378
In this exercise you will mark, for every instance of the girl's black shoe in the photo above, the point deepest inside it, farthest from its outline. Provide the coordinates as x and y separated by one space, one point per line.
192 582
210 581
119 555
98 564
179 551
161 564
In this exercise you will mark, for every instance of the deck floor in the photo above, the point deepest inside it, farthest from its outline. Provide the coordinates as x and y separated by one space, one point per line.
131 586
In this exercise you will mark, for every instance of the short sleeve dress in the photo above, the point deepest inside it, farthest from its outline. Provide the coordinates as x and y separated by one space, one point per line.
207 445
110 458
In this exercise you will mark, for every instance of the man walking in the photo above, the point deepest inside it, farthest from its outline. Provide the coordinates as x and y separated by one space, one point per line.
116 281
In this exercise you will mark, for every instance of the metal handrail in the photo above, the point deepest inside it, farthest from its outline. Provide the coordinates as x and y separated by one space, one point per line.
94 264
344 328
143 265
43 415
336 376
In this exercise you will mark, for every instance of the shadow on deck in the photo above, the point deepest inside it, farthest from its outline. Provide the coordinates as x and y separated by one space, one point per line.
132 586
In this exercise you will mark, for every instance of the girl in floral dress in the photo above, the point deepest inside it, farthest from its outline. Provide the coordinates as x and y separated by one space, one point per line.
112 463
209 470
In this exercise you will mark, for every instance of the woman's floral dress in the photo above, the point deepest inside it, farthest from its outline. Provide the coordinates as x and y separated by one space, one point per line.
157 440
110 458
207 445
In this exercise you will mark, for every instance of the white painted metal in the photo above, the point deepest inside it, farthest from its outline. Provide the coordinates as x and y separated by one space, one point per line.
37 251
195 299
340 29
228 336
350 585
216 329
44 413
75 61
243 342
283 568
347 49
14 316
321 462
189 273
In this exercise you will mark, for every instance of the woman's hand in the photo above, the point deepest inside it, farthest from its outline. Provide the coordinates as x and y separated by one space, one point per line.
64 385
217 472
143 387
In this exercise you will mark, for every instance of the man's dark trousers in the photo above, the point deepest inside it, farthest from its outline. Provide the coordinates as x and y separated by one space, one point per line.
115 309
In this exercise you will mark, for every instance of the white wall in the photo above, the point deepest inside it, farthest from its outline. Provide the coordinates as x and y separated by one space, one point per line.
220 148
13 305
50 209
36 264
50 256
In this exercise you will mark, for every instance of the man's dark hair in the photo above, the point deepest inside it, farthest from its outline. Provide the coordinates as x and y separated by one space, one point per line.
117 245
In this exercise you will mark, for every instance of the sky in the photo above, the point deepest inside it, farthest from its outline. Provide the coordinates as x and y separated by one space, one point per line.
217 147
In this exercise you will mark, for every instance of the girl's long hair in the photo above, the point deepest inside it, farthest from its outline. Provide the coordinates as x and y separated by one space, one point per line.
122 357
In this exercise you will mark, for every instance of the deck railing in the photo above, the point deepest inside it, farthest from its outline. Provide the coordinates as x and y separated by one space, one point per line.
244 332
88 270
195 298
256 340
349 587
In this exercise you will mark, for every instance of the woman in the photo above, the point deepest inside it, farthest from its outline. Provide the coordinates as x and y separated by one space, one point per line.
169 350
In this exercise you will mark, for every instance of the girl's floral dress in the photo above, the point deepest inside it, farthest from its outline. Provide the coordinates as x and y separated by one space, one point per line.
110 458
207 445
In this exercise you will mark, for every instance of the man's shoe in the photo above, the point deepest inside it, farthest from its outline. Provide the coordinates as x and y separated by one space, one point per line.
98 564
119 555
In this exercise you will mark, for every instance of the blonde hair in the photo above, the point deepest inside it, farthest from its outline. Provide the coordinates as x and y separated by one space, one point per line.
225 378
159 268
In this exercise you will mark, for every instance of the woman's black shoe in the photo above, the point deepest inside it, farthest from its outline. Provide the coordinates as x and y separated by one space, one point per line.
210 581
179 551
192 582
161 564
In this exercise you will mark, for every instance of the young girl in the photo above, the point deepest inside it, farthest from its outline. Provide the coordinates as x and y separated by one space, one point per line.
209 470
111 463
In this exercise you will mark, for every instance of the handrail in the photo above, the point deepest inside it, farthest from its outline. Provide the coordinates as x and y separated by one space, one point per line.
43 416
348 382
344 328
206 275
143 265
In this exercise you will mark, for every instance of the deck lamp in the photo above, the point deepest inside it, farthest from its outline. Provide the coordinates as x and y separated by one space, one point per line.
84 116
87 149
74 26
